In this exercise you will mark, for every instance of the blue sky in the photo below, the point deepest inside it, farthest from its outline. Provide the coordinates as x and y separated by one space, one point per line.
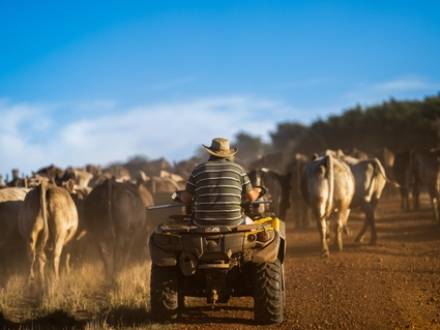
96 82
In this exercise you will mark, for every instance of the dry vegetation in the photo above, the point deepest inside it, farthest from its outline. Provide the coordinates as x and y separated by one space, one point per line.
81 298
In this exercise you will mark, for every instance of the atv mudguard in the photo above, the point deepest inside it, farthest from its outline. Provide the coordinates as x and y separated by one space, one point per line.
168 247
161 258
276 249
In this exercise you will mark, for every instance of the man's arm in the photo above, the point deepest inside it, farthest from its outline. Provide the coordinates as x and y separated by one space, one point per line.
249 193
253 194
186 197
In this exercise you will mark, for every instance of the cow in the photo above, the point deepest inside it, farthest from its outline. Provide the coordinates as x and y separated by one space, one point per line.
16 181
403 175
278 187
11 202
48 221
370 180
275 161
426 170
162 189
299 207
52 172
328 188
81 178
115 219
277 193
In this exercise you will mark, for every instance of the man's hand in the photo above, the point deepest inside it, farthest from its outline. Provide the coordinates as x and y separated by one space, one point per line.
254 194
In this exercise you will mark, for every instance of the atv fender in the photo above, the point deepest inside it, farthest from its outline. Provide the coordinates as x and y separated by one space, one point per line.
270 253
160 257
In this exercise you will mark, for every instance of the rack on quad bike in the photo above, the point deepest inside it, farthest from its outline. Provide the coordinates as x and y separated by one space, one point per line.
218 262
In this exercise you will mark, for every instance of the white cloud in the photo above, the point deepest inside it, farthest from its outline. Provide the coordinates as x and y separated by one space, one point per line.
173 130
403 87
405 84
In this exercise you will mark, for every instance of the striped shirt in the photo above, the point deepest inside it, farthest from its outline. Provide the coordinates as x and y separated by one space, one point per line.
218 187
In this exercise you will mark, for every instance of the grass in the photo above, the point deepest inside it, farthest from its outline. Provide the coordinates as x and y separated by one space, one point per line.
81 299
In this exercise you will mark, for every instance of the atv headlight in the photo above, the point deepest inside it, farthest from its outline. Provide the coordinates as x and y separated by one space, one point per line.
265 236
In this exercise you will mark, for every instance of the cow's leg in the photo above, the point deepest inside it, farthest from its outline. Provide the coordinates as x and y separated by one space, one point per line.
371 217
341 223
365 207
31 254
40 257
41 262
435 203
67 262
416 196
107 255
56 255
322 226
438 206
120 254
347 230
404 199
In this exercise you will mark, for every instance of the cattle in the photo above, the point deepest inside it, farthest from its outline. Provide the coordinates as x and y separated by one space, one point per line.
358 154
52 172
328 188
48 221
185 167
16 181
11 202
162 189
426 170
370 180
275 161
403 175
81 178
278 187
115 219
298 206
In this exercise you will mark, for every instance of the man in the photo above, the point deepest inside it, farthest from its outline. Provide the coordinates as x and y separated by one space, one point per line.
217 187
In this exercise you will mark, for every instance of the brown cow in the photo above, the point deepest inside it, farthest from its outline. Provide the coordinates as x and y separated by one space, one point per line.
48 221
11 202
403 174
328 188
426 170
299 208
115 219
278 187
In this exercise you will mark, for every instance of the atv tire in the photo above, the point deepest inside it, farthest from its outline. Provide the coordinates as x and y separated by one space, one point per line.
269 294
164 293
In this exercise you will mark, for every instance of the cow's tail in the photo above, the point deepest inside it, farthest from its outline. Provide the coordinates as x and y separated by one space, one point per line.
330 176
110 206
43 208
379 169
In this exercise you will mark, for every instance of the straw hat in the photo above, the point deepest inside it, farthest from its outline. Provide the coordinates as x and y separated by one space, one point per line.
220 147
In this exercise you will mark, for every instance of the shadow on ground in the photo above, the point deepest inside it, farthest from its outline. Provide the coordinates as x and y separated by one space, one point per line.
124 317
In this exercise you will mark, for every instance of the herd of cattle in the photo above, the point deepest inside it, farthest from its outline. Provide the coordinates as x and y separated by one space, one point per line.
55 211
329 185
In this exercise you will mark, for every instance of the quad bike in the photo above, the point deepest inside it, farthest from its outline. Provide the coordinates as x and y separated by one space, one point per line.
219 262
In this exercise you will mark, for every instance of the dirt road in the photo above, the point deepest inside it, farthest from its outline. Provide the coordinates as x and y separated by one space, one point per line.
393 285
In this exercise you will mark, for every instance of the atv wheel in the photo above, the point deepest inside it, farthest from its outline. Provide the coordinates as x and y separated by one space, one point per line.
164 293
269 293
